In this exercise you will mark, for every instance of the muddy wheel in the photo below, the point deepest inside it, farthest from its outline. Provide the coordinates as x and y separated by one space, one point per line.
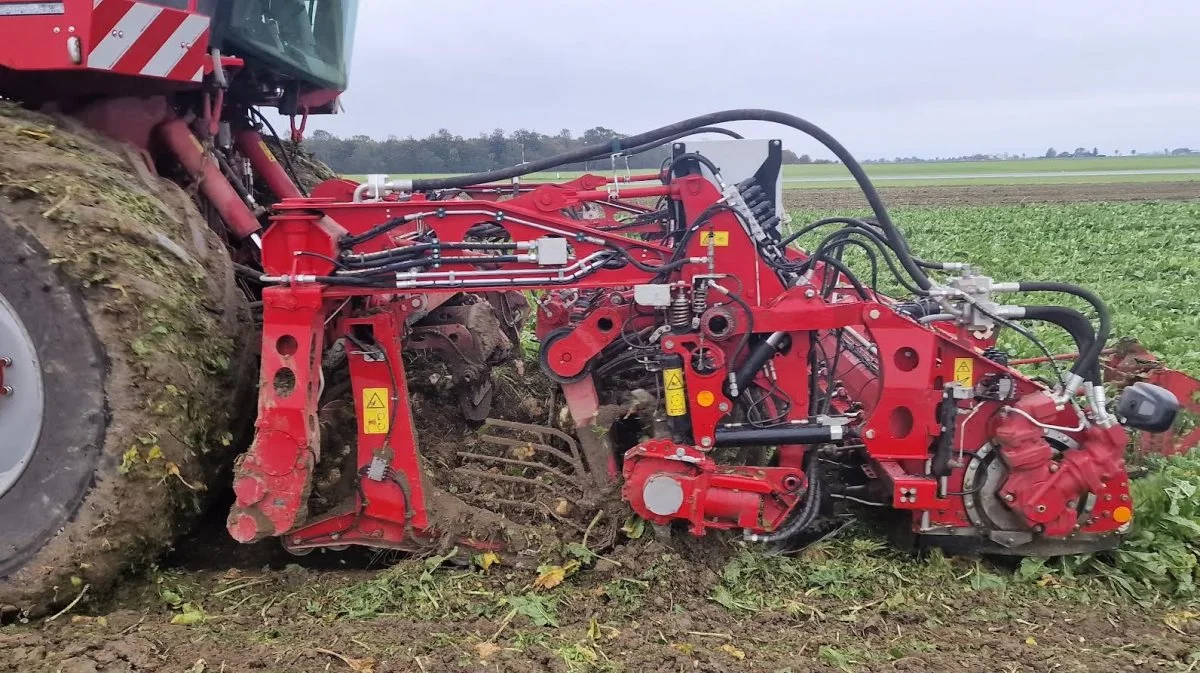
51 362
125 341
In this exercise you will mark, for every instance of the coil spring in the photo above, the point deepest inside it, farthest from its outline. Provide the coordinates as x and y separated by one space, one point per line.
700 298
679 315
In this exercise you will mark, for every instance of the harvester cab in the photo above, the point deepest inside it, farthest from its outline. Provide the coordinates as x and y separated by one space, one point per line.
716 376
295 52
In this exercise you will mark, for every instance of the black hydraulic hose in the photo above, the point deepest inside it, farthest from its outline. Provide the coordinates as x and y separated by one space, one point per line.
745 339
808 512
246 271
387 269
351 259
845 271
287 160
646 147
1092 355
887 259
416 250
818 224
236 181
347 242
854 224
697 157
1079 327
648 268
891 232
840 244
407 264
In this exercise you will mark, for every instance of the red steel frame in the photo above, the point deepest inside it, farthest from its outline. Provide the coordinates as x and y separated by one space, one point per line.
897 395
100 46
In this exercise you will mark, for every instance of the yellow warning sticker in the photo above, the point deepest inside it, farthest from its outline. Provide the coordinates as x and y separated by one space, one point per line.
375 419
266 150
676 398
964 372
720 239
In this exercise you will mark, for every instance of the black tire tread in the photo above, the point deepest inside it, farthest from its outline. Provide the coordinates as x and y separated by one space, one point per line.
159 296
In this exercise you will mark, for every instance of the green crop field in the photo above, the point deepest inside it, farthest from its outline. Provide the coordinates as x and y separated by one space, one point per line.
1010 166
1143 258
1088 170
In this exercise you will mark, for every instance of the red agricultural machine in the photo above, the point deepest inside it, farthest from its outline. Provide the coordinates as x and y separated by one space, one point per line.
717 376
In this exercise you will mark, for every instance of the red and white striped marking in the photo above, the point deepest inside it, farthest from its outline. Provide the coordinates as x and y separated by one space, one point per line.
136 38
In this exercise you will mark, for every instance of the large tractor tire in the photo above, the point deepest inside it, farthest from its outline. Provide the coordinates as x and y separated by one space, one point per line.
129 360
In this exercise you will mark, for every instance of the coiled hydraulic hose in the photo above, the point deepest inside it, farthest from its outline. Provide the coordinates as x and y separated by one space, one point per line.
895 238
1079 327
1090 357
866 227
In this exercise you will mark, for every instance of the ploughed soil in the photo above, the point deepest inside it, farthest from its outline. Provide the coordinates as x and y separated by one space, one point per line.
847 605
989 195
649 601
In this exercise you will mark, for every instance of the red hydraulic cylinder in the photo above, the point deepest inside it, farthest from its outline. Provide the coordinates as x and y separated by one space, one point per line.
204 169
265 165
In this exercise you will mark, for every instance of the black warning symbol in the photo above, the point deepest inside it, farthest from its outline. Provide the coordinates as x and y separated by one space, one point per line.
375 420
674 380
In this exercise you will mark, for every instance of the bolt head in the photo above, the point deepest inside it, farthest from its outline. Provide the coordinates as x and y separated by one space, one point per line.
668 344
810 293
1054 467
724 406
706 441
1009 497
1041 508
5 361
873 314
6 391
870 434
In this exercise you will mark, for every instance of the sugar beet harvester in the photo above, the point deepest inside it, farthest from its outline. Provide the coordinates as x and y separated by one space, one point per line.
716 375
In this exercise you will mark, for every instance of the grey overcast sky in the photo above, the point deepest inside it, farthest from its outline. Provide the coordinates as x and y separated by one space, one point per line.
887 77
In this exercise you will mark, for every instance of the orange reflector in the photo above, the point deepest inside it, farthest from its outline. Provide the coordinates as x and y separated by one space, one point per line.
705 398
1122 514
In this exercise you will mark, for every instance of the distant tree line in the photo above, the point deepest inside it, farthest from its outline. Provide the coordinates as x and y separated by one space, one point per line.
1083 152
964 157
1050 153
1079 152
445 152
